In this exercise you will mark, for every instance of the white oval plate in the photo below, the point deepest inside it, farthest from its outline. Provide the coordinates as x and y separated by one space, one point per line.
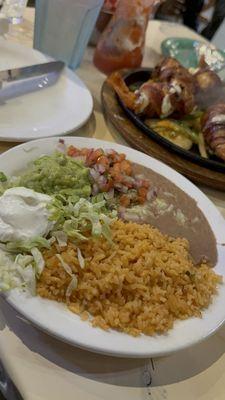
55 319
56 110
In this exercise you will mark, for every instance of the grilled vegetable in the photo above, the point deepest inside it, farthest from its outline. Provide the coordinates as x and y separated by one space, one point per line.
193 120
176 132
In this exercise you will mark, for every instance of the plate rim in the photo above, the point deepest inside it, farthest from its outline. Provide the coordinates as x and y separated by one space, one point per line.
131 153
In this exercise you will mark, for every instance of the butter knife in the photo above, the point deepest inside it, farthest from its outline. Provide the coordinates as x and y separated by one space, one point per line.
19 81
31 71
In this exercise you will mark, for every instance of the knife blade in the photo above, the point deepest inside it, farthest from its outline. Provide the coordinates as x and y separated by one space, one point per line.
20 81
15 74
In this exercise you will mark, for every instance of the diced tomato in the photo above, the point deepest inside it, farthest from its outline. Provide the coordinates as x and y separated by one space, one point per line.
129 185
84 152
115 169
118 172
93 156
125 200
141 200
145 183
113 156
126 167
118 178
73 151
103 160
109 185
142 191
121 157
142 194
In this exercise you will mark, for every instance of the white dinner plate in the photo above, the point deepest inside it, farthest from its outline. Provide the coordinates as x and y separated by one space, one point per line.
57 320
56 110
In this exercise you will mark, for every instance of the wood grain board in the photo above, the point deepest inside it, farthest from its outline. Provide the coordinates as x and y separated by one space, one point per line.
140 141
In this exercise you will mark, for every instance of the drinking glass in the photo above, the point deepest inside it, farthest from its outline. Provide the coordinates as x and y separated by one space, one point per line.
13 10
63 28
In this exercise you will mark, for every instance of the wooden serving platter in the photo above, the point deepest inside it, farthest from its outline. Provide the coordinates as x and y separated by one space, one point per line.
140 141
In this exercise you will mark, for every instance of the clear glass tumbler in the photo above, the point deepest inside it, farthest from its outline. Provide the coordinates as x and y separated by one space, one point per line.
63 28
13 10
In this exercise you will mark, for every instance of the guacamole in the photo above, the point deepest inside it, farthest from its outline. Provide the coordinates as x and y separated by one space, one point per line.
57 175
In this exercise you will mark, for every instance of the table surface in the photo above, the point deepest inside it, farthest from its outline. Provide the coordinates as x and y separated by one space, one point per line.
44 368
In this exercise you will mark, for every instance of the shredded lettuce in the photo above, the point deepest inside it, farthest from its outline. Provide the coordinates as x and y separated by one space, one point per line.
64 265
72 286
80 258
17 272
74 281
61 238
23 260
80 219
27 245
38 260
29 278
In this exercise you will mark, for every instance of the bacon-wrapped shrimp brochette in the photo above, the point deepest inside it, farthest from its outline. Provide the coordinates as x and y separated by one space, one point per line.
208 88
169 69
204 83
154 98
213 129
174 94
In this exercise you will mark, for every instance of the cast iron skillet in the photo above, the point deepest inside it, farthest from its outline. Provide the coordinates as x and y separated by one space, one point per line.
140 76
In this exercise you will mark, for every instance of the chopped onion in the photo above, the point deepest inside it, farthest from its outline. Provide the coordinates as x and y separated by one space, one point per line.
102 181
132 217
110 194
109 152
61 147
95 189
139 176
99 168
152 194
121 188
94 174
129 179
138 183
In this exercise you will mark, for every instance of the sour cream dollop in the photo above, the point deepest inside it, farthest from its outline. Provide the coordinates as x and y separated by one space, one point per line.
23 214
